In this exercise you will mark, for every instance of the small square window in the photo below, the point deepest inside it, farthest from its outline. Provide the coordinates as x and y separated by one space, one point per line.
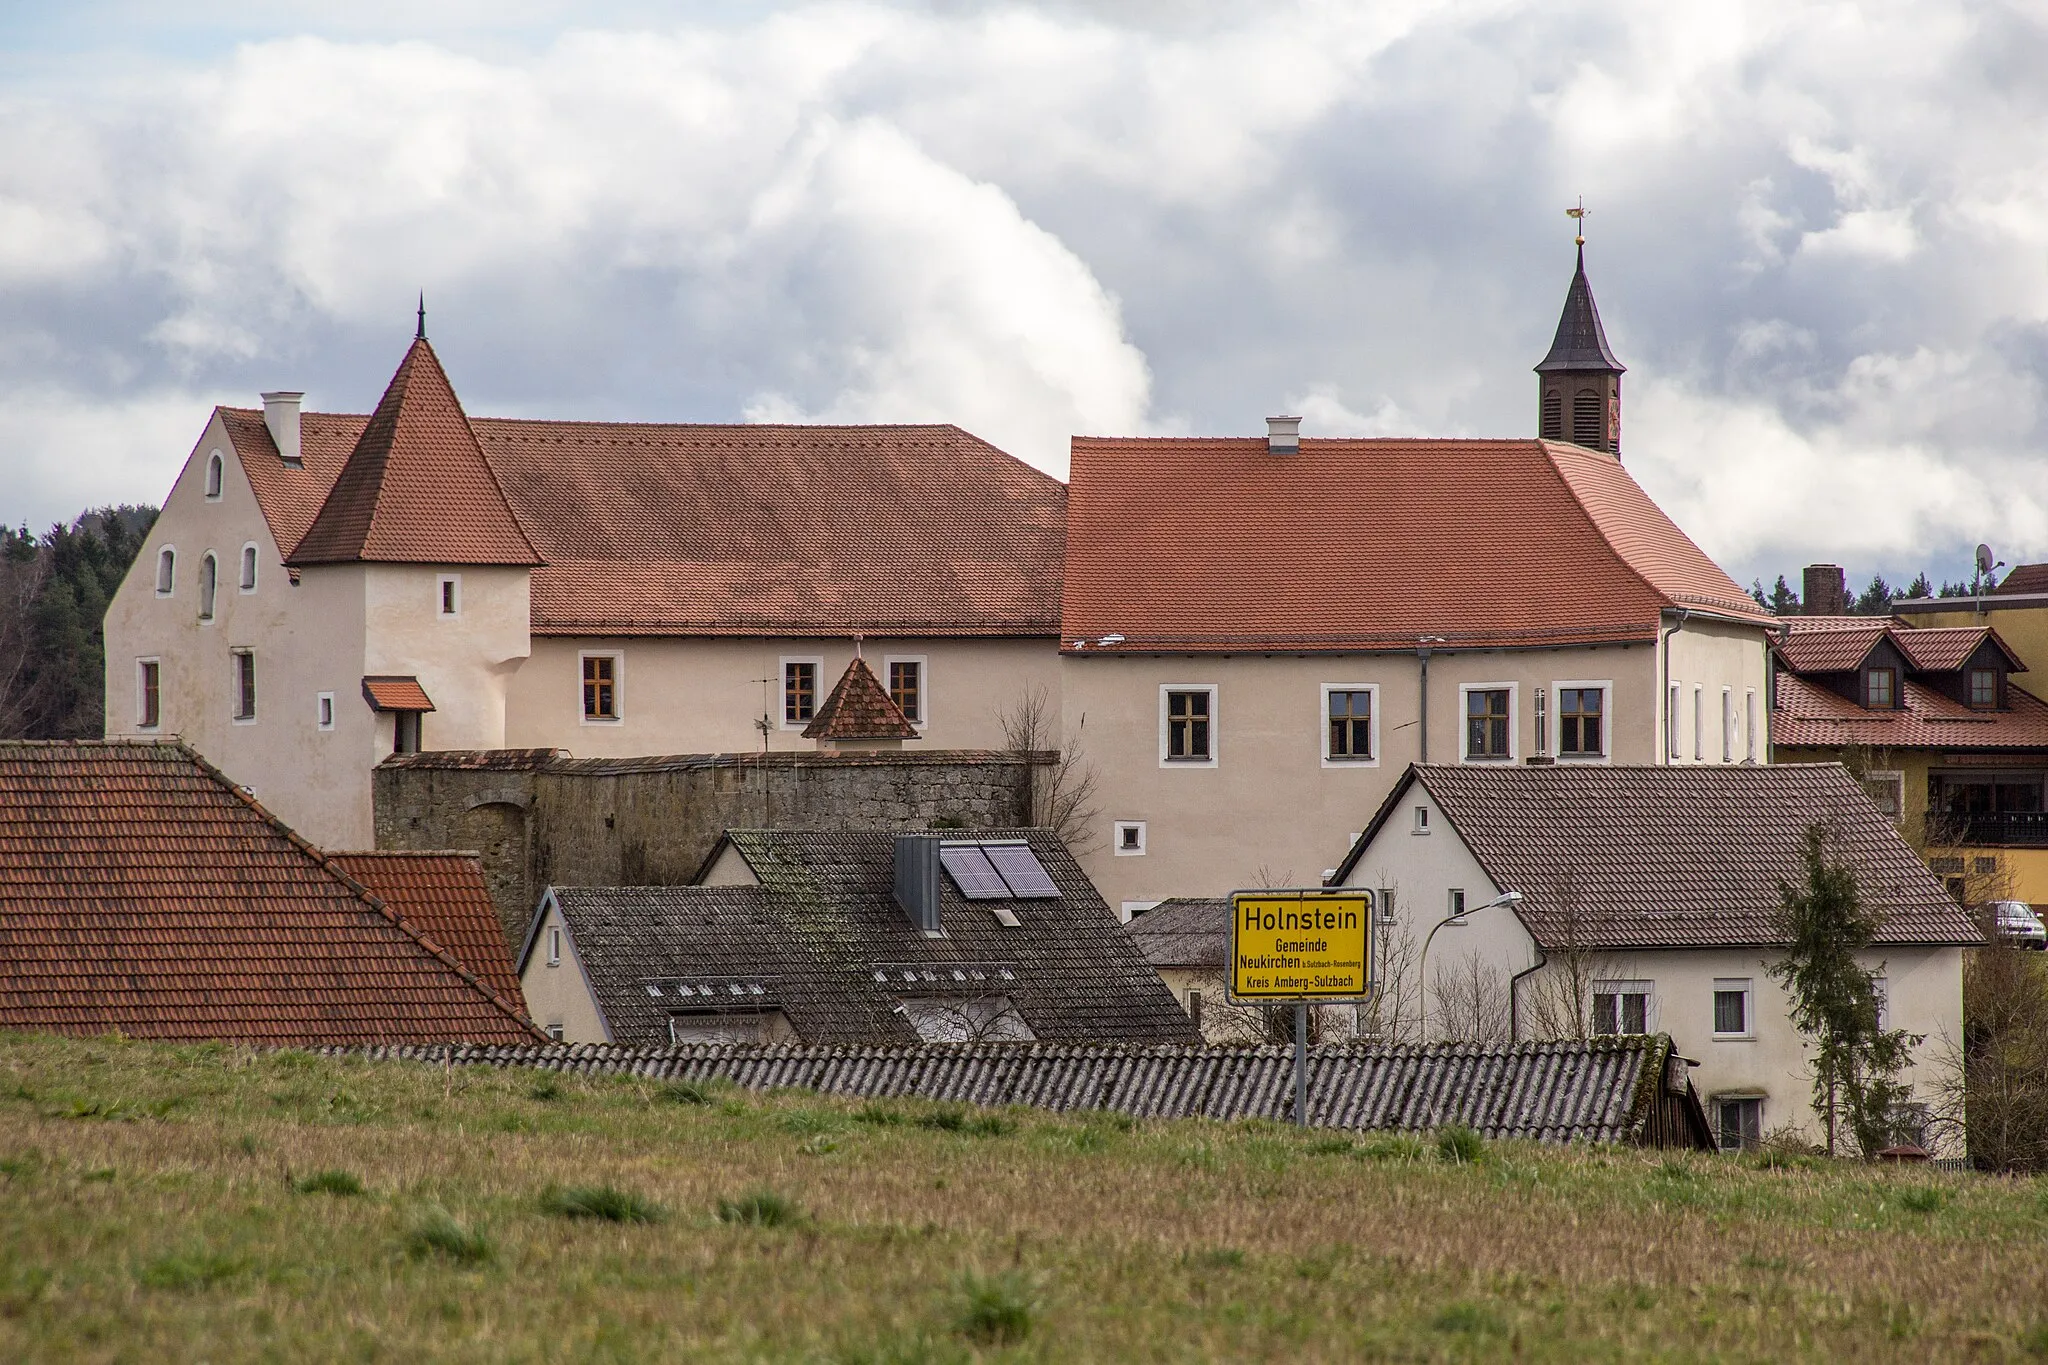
1421 820
1348 718
323 710
1130 838
600 687
1621 1007
1881 689
1984 688
449 594
555 1029
1457 902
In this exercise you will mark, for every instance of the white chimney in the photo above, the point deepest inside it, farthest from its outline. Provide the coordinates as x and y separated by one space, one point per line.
281 415
1283 435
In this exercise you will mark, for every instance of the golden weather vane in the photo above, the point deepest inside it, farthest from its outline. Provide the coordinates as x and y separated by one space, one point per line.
1577 213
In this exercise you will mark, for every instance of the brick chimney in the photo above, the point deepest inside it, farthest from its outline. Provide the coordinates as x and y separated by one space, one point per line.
1827 590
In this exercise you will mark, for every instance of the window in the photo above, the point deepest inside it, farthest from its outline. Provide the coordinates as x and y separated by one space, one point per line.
1348 732
1886 790
1731 1009
1983 682
554 946
323 710
148 694
1699 732
245 684
1457 902
1189 724
405 732
166 571
1542 724
1621 1007
208 575
449 594
1130 838
799 692
213 479
555 1028
1741 1123
906 687
1195 1008
1880 689
1671 722
1749 723
1489 728
248 568
1581 720
1421 820
1727 725
600 687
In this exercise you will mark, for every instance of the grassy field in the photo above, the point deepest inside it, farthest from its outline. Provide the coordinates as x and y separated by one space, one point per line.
196 1203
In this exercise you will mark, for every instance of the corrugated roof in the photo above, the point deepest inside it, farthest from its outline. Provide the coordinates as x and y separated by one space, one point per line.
1686 856
444 896
144 892
1186 931
1595 1092
396 693
1809 716
859 708
1218 545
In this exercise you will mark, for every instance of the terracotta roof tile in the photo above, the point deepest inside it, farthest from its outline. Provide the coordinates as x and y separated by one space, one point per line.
444 896
2024 578
416 489
1835 650
1946 648
1215 544
1674 856
391 692
859 708
142 891
1809 716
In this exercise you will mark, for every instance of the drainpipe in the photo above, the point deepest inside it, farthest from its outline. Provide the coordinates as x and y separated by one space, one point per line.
1664 687
1422 653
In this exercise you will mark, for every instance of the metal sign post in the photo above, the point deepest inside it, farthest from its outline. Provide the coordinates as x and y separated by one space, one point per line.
1301 948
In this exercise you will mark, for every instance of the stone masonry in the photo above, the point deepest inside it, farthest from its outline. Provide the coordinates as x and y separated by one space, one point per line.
541 818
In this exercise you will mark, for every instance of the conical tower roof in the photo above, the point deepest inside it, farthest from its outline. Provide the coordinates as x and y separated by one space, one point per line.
1581 343
417 488
859 708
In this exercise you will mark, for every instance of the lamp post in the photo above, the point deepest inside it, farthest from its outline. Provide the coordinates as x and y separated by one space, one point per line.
1458 918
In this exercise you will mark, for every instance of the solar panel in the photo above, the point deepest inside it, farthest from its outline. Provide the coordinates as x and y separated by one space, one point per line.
972 873
1019 868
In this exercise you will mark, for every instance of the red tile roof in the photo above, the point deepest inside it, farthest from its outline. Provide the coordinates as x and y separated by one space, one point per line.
1217 545
859 708
1839 644
395 693
1809 716
1946 648
416 489
443 895
144 892
1837 649
2024 578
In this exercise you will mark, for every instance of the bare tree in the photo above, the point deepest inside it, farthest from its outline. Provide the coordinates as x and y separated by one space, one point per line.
1392 1015
1470 1002
968 1019
1560 997
1063 793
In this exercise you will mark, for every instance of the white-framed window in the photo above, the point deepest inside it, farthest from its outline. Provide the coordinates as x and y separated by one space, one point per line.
555 1029
323 711
1457 901
1887 791
603 686
1584 719
1187 725
244 661
149 696
803 678
1727 725
1699 732
1732 1008
166 570
1624 1007
1488 713
249 567
1749 722
1130 839
554 945
1671 722
1421 821
213 476
209 582
448 595
908 680
1351 725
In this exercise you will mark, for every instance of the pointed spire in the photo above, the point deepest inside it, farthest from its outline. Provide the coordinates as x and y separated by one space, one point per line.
859 708
421 334
1581 342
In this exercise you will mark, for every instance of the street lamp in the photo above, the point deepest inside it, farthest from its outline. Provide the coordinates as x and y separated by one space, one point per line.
1458 918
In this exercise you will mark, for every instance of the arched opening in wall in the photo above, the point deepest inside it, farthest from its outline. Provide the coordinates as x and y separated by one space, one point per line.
497 831
213 472
248 568
1589 417
1552 428
166 571
209 576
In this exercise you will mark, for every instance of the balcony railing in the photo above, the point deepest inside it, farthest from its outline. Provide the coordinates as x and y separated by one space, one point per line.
2006 829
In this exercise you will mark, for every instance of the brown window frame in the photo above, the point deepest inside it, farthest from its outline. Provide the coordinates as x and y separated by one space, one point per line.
1573 718
908 696
1991 703
245 683
1497 738
1190 725
600 687
1348 735
1891 689
149 683
799 691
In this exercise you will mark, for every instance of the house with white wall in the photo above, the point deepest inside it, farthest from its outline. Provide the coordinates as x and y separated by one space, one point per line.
1567 901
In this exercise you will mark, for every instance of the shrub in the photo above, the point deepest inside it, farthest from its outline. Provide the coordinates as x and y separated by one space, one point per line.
602 1202
329 1182
995 1310
438 1234
759 1209
1459 1145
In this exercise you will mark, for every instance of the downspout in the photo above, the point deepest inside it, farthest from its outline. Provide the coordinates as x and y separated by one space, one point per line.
1664 687
1515 989
1422 653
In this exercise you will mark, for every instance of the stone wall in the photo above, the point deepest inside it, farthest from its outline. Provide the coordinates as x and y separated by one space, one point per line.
541 818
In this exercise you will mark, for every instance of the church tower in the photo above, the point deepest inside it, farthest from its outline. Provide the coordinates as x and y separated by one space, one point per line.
1578 384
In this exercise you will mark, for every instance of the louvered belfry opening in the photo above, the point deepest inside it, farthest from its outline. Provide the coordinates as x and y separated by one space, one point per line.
1586 423
1552 426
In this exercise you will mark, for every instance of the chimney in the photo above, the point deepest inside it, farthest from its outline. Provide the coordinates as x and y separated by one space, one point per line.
1283 435
281 415
1827 590
917 880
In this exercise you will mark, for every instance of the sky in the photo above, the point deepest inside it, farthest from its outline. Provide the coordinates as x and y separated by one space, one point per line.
1819 233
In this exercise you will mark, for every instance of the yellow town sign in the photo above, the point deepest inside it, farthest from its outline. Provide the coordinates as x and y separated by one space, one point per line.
1301 945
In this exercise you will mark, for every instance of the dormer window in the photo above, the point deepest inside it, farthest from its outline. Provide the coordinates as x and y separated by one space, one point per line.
1984 689
1881 689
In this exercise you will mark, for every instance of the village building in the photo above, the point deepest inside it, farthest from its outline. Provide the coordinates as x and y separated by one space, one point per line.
143 893
848 938
1566 900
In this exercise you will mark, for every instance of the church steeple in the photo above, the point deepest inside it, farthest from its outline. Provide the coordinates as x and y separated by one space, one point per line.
1578 384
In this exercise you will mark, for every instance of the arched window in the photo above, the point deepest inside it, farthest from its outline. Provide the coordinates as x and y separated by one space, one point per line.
248 568
208 571
1553 415
213 476
166 571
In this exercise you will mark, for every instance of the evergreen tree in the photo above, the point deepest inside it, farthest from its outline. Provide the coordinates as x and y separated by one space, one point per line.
1756 590
1920 587
1784 601
1876 599
1856 1063
54 592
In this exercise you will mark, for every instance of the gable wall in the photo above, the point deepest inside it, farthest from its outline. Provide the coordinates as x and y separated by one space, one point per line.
561 994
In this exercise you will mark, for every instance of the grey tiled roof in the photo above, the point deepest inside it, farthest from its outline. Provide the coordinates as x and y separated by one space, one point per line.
1601 1091
1687 856
1183 932
825 919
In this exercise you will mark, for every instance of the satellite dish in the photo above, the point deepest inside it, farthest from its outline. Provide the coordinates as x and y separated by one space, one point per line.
1986 561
